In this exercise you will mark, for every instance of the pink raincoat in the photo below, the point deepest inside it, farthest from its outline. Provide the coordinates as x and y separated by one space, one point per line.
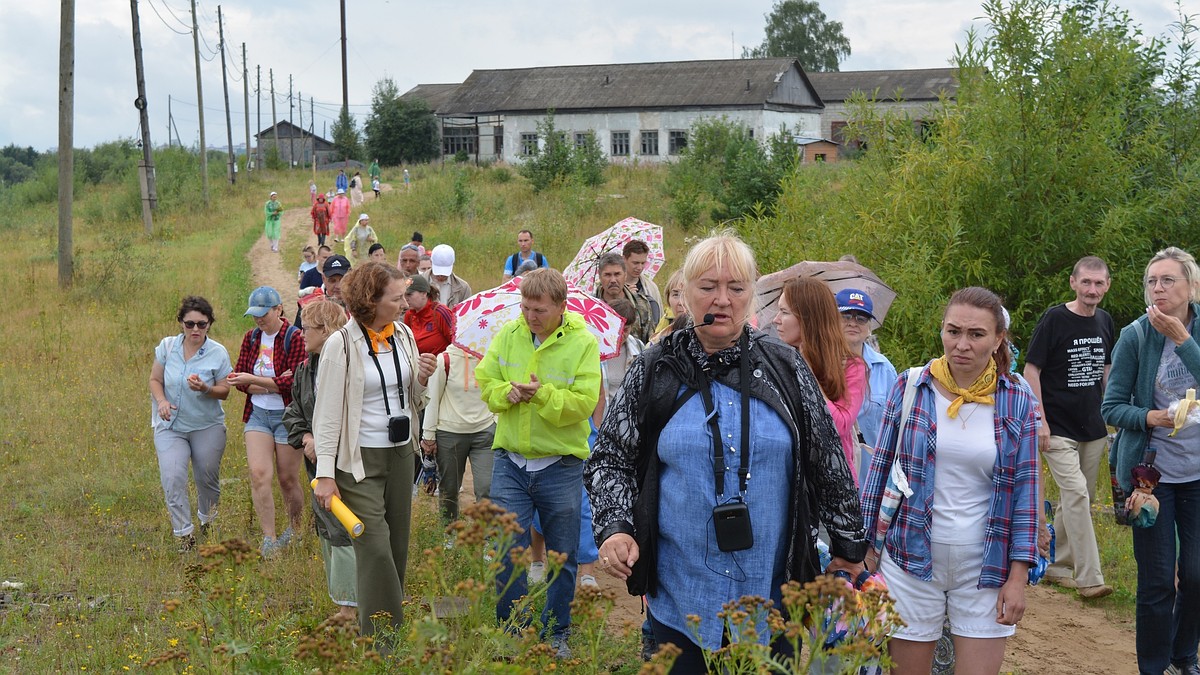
341 215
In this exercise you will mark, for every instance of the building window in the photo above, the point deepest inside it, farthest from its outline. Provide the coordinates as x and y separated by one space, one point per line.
529 144
676 142
459 139
620 144
498 139
583 138
649 143
820 157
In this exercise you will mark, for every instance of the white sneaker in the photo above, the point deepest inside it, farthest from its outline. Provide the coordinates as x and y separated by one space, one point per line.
537 572
589 581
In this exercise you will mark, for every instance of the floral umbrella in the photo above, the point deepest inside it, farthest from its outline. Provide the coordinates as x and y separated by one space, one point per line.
478 318
584 270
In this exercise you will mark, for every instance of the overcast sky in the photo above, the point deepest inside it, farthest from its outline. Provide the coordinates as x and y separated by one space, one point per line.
410 42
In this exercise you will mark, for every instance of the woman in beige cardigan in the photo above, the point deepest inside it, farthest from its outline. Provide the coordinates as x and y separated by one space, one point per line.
371 388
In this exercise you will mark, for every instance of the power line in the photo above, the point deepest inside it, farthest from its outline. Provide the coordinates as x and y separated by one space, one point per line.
175 16
164 22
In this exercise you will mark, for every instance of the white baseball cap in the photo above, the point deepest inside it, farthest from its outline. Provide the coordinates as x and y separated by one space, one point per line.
362 217
442 258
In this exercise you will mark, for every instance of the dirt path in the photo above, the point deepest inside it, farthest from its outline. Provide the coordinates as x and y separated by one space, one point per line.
1059 633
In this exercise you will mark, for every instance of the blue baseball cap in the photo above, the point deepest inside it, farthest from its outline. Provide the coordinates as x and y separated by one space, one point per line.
262 300
854 300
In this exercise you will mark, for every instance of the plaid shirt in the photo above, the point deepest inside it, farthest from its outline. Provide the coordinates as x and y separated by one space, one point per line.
1011 533
293 358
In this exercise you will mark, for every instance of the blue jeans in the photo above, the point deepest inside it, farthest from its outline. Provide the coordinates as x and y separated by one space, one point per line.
1159 604
554 493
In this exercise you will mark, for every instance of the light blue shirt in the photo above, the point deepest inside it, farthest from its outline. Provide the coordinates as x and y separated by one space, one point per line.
695 576
881 375
194 410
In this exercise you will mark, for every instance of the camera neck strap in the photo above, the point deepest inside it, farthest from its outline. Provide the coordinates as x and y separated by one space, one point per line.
710 412
383 381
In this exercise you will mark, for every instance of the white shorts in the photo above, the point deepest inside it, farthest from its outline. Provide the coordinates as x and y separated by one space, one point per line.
925 605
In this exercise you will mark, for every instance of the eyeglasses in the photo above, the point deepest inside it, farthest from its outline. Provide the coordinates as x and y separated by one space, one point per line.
195 324
1166 282
853 317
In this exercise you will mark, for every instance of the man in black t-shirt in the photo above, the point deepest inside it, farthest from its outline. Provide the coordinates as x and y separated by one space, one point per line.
1067 367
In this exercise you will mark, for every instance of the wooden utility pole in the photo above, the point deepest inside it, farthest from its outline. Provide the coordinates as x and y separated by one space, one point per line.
246 103
300 105
345 85
66 142
291 123
146 168
200 105
311 129
169 120
258 153
274 118
229 165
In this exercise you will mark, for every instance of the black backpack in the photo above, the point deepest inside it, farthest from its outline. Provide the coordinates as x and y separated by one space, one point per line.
515 260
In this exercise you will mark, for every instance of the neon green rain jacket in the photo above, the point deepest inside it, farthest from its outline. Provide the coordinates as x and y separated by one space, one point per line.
555 421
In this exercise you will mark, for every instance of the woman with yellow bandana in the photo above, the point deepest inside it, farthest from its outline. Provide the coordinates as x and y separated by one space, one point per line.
960 546
371 387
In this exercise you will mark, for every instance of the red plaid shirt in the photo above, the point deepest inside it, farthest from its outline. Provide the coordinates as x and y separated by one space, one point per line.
287 364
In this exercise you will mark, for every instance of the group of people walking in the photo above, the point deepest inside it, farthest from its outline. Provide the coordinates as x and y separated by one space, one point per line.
710 456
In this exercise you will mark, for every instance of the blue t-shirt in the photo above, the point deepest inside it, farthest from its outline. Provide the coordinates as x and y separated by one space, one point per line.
511 270
695 576
194 410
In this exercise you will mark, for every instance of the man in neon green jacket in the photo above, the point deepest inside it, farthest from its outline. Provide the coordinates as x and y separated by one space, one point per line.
541 376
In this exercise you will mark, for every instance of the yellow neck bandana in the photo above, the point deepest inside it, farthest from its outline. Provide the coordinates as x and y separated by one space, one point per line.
980 391
380 339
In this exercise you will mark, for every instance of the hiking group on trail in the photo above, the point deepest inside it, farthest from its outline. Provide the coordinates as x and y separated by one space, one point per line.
713 443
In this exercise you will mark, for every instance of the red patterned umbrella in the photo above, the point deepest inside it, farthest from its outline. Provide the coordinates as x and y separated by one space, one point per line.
479 317
584 270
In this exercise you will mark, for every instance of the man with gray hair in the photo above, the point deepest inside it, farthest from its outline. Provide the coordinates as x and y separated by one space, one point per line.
612 288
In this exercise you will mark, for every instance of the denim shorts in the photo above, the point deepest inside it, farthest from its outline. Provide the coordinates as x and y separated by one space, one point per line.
268 422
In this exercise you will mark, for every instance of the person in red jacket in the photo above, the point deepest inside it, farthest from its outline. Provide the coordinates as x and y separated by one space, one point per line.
321 215
432 323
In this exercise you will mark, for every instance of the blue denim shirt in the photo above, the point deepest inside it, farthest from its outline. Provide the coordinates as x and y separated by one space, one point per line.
881 375
695 577
195 410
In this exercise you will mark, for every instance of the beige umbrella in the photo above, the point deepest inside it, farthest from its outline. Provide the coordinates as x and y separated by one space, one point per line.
837 275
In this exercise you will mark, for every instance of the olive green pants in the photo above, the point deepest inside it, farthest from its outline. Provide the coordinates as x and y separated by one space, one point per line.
383 501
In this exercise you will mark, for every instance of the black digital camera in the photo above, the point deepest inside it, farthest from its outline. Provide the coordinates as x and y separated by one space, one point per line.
398 428
732 523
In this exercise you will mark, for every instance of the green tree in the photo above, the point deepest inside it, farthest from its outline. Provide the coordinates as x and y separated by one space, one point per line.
799 29
588 161
551 162
1070 135
347 143
399 131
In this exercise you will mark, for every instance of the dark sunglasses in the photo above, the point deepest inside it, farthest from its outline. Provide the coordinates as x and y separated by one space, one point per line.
195 324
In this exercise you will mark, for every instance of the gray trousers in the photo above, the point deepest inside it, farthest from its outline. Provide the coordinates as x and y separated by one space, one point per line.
383 502
453 452
203 449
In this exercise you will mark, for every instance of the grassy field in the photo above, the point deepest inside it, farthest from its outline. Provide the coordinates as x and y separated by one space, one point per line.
82 521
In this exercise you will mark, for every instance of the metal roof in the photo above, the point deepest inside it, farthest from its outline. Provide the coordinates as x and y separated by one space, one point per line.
916 85
778 83
435 95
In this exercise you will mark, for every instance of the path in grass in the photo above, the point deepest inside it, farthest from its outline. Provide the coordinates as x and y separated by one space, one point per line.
1059 634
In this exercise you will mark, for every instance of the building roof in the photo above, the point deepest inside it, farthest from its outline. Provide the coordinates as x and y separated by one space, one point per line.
916 85
435 95
777 83
287 130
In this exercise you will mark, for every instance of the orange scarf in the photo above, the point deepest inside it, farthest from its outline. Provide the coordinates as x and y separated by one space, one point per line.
379 340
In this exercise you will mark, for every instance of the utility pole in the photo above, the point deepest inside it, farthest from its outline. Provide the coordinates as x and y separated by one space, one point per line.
292 131
229 165
300 105
146 168
246 103
311 128
169 120
200 104
345 85
66 142
274 118
258 153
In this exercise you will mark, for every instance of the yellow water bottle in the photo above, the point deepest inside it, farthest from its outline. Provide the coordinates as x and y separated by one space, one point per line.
344 515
